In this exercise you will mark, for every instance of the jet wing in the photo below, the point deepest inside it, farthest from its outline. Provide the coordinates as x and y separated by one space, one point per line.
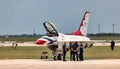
51 29
72 38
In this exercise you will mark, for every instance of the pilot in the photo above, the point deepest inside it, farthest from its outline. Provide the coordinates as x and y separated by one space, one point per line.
81 52
64 47
71 51
75 52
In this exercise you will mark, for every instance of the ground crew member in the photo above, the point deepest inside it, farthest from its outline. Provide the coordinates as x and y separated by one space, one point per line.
64 47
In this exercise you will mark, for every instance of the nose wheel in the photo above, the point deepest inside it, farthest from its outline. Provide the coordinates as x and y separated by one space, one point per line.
57 56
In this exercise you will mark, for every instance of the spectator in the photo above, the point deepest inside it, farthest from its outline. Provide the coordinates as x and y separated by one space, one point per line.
112 45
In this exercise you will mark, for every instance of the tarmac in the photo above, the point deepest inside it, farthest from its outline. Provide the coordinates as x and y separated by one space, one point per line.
50 64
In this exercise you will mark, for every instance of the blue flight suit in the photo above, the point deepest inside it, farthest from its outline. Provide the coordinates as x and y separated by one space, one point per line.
64 51
81 53
71 52
75 53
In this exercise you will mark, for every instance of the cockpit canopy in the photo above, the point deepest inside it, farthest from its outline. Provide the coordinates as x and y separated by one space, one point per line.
51 29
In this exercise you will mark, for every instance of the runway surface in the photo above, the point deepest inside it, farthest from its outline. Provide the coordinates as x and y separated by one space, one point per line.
50 64
32 43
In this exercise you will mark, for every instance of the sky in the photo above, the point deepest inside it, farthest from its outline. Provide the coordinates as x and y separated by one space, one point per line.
22 16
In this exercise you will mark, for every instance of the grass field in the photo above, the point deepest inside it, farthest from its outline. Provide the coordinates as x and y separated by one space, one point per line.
95 52
105 37
19 39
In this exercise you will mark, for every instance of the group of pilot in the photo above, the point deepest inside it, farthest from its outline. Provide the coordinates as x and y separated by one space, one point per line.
76 51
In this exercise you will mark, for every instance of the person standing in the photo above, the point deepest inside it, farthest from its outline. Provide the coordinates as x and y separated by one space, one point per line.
75 52
71 51
64 47
81 57
112 45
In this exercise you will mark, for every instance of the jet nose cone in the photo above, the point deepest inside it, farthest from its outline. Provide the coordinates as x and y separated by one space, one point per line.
40 42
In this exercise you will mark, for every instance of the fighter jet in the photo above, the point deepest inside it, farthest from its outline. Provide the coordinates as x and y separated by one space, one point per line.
54 40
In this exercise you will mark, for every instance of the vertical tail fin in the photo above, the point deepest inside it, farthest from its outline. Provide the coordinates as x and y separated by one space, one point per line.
82 30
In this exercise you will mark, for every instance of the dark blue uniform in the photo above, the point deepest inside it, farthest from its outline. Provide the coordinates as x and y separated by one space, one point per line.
75 53
64 51
71 52
81 53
